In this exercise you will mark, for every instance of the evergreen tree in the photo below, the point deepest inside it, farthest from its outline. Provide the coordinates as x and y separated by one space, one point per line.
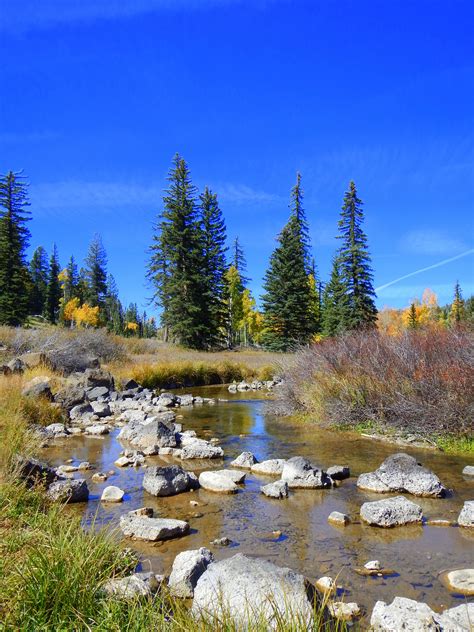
176 265
114 317
334 302
354 262
239 262
288 298
14 238
96 272
39 280
214 249
53 289
71 280
413 317
457 307
233 300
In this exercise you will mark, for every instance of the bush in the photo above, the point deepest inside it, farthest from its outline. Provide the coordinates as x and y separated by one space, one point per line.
418 381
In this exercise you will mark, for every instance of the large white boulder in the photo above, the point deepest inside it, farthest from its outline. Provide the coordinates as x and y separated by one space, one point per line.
271 467
466 517
217 482
391 512
402 473
188 567
252 591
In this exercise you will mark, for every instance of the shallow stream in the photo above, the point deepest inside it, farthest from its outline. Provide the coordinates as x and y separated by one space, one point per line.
307 543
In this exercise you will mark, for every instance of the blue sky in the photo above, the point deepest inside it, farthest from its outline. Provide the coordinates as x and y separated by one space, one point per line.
98 96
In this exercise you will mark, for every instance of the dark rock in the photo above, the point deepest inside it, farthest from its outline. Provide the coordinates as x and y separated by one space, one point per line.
69 491
38 387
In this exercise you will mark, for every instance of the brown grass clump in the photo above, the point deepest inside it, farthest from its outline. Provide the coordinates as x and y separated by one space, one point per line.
418 381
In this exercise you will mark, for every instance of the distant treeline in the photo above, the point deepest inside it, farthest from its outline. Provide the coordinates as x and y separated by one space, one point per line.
200 285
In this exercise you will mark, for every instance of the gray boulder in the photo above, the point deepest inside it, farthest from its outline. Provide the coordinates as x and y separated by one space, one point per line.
466 517
157 431
112 494
245 460
217 482
458 619
16 366
200 449
34 472
81 412
97 430
405 614
69 491
338 472
252 592
278 489
101 409
57 430
271 467
188 567
141 525
391 512
136 585
70 396
168 481
468 470
298 472
185 400
38 387
96 392
402 473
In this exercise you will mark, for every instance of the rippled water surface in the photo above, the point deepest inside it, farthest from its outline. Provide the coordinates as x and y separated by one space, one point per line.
307 542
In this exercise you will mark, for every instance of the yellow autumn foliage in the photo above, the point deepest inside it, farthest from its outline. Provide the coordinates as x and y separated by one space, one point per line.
81 315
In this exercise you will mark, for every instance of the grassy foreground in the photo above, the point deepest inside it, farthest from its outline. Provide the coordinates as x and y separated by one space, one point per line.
52 570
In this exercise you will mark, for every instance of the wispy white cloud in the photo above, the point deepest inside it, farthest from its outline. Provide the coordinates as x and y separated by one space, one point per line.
243 194
425 269
35 15
92 196
84 196
27 137
431 242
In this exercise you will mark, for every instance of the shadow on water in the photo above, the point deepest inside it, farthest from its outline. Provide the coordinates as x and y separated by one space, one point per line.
292 532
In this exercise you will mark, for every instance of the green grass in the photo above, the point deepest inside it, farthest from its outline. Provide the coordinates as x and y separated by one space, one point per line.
455 445
195 373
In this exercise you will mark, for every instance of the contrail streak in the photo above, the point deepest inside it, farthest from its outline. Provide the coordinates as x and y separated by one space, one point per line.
435 265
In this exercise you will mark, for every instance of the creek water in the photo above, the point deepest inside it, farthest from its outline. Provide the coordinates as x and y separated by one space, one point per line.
307 543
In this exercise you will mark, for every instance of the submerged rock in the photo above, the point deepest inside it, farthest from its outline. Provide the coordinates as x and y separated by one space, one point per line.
402 473
338 518
169 480
466 517
344 611
391 512
299 472
141 525
468 470
249 591
188 567
271 467
245 460
278 489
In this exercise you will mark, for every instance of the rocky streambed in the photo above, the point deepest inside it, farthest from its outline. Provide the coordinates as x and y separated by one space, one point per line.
347 515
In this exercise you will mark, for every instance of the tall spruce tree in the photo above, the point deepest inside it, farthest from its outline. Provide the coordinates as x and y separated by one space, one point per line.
288 298
71 281
14 239
334 302
355 265
53 289
39 280
176 263
214 259
96 272
239 261
113 307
